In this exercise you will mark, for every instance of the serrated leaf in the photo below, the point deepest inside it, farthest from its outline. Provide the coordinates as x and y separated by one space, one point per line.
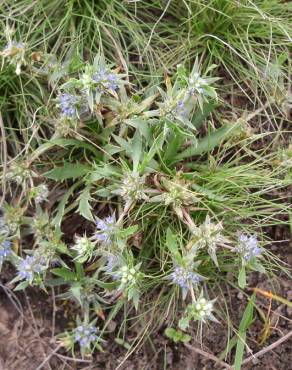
67 171
84 207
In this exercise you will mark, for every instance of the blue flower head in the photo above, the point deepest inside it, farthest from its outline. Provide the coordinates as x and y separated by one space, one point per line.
28 267
5 250
85 335
68 105
248 247
185 279
106 79
105 229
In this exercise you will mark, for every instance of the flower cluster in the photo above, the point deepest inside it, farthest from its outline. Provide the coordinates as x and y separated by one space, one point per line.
15 52
248 247
185 278
132 188
68 104
128 275
85 335
208 235
197 84
84 248
28 267
202 309
111 263
105 228
106 80
5 250
19 172
40 193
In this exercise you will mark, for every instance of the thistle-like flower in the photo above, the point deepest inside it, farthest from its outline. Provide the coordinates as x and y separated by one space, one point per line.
68 104
85 335
84 248
106 228
19 172
112 263
185 278
200 310
29 267
106 80
128 275
12 218
208 235
5 250
132 188
248 247
197 84
40 193
15 52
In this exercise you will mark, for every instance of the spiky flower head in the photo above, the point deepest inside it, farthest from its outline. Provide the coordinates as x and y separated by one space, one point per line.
85 335
106 80
40 193
14 51
84 248
200 310
65 127
178 192
132 188
208 235
68 104
29 267
19 172
105 229
112 263
185 278
197 84
12 218
248 247
5 250
128 275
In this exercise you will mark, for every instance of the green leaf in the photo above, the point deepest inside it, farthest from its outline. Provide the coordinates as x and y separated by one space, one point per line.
68 171
84 207
173 145
245 322
184 323
177 335
61 206
171 244
125 233
123 343
155 147
22 285
200 116
242 278
64 273
209 142
76 292
136 150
